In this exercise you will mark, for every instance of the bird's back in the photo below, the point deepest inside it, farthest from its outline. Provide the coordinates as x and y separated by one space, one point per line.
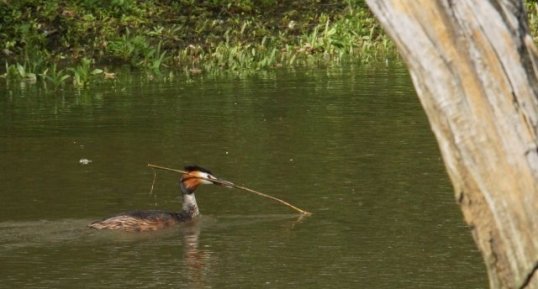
140 221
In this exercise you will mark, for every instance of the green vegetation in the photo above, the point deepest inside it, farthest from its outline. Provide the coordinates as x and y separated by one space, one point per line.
58 41
532 12
74 41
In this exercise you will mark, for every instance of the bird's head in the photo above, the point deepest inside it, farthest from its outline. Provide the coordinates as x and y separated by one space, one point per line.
195 175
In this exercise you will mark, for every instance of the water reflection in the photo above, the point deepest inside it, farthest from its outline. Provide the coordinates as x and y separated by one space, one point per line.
199 261
196 261
178 255
352 145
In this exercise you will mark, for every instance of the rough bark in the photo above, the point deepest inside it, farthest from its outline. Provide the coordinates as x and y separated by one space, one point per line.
474 67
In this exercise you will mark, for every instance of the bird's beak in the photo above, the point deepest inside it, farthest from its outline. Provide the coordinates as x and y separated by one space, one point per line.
223 183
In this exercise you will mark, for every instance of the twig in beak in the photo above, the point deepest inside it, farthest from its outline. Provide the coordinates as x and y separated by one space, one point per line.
232 185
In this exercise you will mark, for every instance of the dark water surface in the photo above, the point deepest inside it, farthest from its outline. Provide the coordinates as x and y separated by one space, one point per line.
351 145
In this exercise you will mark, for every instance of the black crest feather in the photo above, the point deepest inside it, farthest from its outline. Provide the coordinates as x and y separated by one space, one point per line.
191 168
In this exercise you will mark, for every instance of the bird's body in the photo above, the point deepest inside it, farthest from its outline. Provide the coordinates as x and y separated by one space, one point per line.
140 221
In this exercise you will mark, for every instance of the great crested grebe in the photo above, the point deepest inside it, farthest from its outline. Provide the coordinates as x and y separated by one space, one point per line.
139 221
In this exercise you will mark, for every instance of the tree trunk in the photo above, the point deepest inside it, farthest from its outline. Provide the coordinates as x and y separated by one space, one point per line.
474 67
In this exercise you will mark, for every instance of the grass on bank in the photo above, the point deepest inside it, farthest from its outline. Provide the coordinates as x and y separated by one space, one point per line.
61 41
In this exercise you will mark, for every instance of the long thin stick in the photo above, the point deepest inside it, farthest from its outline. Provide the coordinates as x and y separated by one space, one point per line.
226 183
153 183
273 198
166 169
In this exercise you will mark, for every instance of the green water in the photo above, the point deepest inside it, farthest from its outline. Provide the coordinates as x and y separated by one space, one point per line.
351 145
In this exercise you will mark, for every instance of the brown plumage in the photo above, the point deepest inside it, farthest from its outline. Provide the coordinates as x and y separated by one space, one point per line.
140 221
133 222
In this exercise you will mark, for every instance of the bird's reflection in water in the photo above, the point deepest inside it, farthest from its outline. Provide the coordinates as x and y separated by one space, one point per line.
196 260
